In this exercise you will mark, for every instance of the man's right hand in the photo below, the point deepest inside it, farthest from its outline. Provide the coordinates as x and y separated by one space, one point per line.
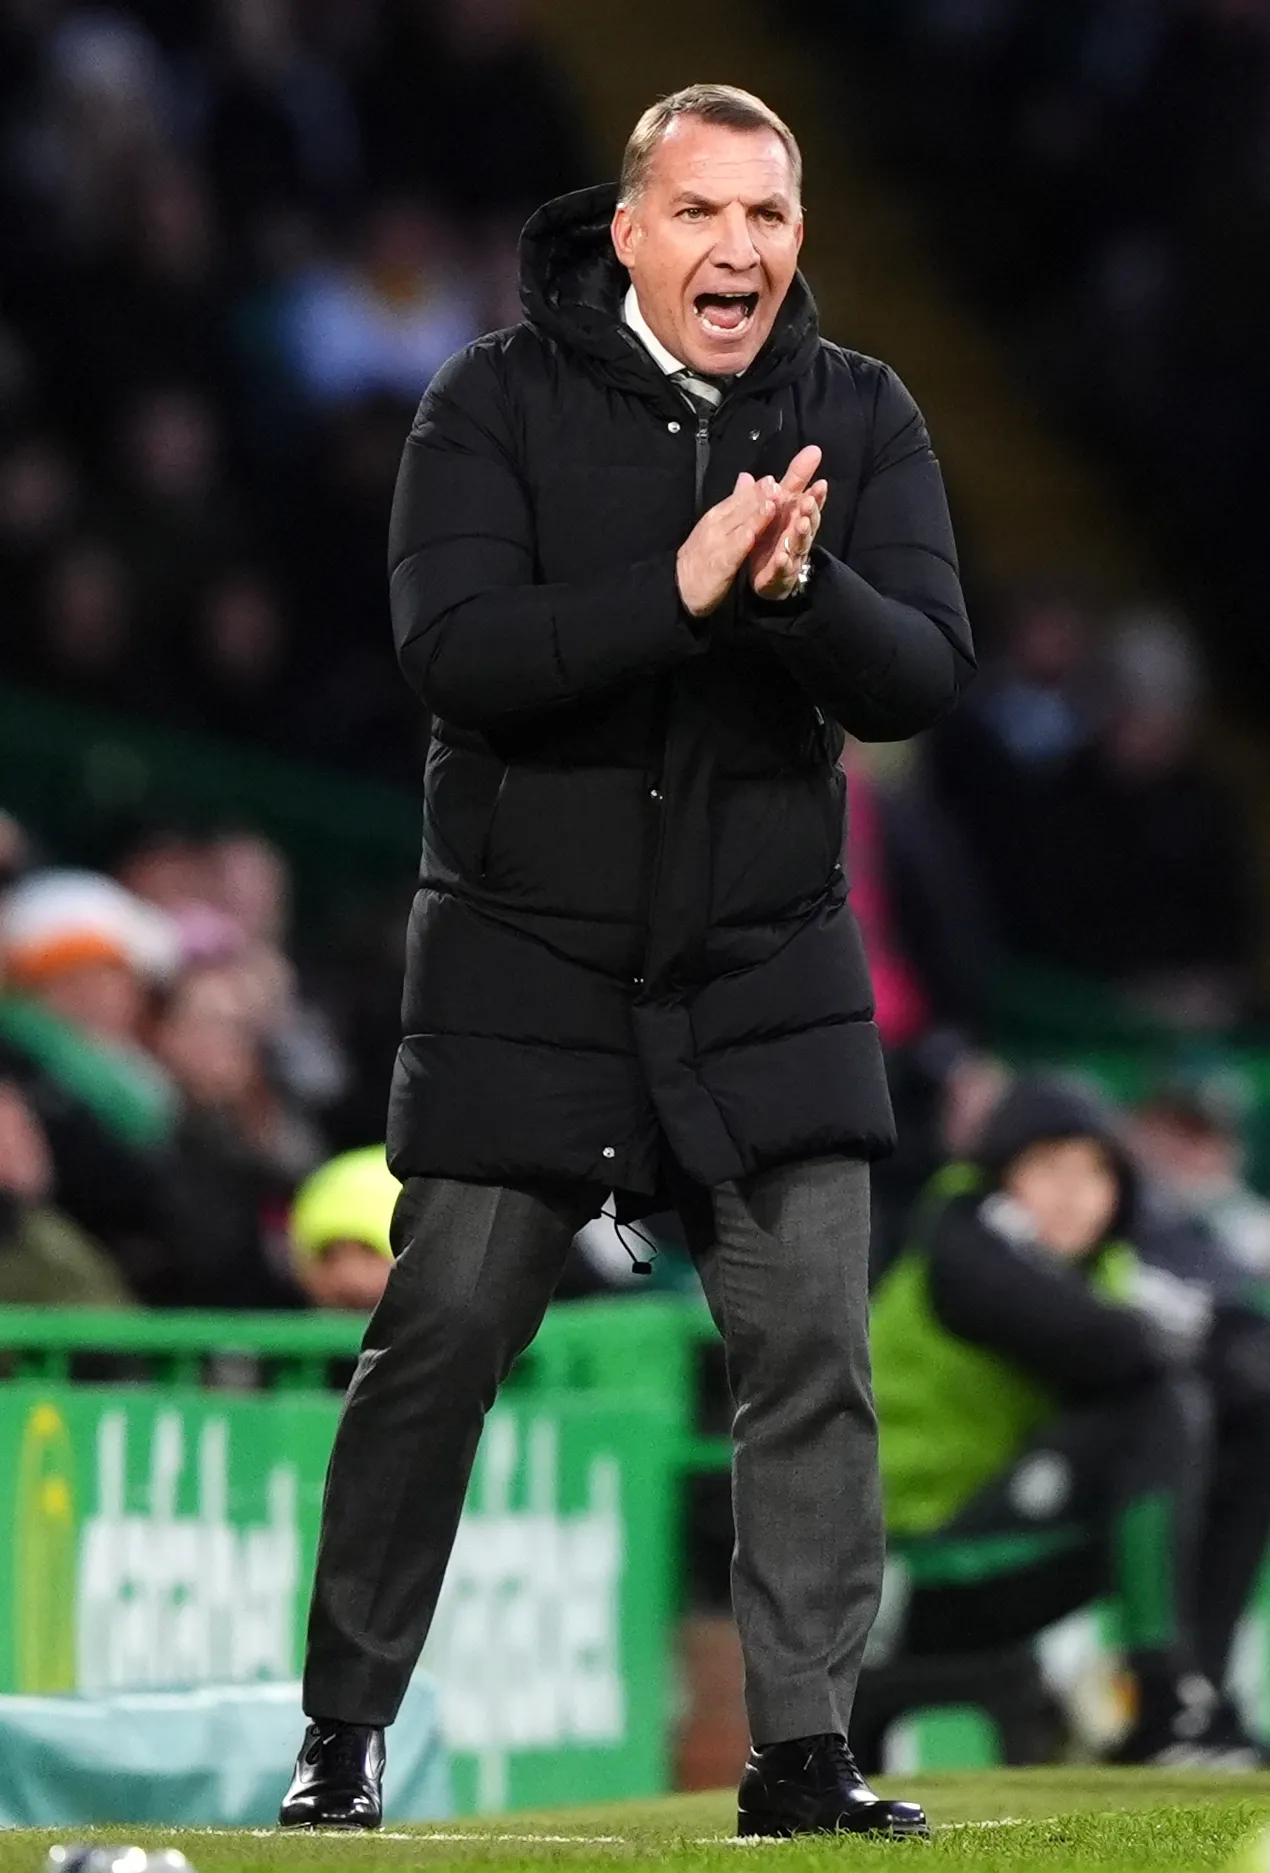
720 544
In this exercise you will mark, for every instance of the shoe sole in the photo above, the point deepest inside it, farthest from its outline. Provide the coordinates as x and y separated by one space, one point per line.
752 1827
324 1827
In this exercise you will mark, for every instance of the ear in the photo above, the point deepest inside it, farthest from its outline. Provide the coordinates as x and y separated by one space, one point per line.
625 234
799 231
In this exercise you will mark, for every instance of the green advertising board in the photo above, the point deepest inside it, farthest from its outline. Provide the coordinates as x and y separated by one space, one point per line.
164 1536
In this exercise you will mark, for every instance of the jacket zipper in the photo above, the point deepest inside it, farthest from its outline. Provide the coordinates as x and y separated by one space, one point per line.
703 457
701 443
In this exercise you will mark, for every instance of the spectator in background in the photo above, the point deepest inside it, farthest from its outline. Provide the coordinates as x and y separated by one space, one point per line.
235 663
45 1260
230 1175
1187 1135
386 318
79 955
1035 706
87 638
249 880
1057 1415
1150 873
100 117
166 865
205 1033
172 517
39 497
77 958
339 1230
992 766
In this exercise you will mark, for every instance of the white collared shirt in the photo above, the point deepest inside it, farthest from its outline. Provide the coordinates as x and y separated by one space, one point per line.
632 316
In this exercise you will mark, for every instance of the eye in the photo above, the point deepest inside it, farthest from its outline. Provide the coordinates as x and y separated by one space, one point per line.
771 217
694 213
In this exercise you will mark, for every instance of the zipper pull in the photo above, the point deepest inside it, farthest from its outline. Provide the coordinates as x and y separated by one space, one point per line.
702 454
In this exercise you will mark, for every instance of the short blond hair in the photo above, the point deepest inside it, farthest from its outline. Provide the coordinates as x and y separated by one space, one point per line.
711 104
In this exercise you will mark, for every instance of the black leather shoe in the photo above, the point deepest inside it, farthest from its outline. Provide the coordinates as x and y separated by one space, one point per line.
812 1786
337 1778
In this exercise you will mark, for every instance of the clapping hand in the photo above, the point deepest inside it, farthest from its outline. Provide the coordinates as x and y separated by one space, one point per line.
780 552
721 542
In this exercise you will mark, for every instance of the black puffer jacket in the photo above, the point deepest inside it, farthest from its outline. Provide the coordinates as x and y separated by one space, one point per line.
632 930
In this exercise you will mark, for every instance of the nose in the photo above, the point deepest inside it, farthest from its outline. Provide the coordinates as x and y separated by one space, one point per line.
734 244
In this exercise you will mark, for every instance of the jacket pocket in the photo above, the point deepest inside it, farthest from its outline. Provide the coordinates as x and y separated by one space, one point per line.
488 841
832 738
834 808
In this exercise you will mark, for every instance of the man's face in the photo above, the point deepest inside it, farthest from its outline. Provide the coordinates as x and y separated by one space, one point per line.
712 242
106 999
1069 1188
347 1275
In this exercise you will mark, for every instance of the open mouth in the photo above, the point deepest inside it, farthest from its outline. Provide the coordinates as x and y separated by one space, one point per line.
725 314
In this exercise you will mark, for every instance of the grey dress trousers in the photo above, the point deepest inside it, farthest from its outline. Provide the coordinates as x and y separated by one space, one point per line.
783 1258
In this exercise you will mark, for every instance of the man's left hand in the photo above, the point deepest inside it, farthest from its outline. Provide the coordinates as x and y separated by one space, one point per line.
781 551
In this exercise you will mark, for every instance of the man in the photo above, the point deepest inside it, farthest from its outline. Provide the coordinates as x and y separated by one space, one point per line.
1188 1134
339 1230
46 1260
641 623
1062 1416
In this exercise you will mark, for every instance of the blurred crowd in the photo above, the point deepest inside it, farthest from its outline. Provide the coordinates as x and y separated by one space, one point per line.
163 1078
236 239
1098 177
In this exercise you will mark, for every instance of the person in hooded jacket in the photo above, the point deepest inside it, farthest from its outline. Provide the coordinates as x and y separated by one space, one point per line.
1064 1414
652 552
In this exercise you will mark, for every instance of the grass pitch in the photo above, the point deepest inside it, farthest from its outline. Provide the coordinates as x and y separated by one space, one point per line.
1010 1821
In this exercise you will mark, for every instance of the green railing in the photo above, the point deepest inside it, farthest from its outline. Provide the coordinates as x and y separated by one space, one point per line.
42 1341
643 1346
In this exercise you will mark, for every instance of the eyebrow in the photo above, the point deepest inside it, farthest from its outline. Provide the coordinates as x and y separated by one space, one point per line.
689 198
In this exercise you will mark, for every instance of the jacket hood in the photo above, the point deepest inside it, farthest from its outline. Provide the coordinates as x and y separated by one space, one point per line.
572 286
1045 1106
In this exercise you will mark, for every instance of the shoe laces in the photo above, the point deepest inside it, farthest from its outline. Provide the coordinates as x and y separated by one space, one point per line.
829 1753
342 1744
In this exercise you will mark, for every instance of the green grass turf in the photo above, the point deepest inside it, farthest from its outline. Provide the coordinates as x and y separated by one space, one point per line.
1011 1821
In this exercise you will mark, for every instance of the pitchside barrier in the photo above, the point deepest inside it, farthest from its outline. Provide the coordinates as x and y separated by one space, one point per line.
160 1485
